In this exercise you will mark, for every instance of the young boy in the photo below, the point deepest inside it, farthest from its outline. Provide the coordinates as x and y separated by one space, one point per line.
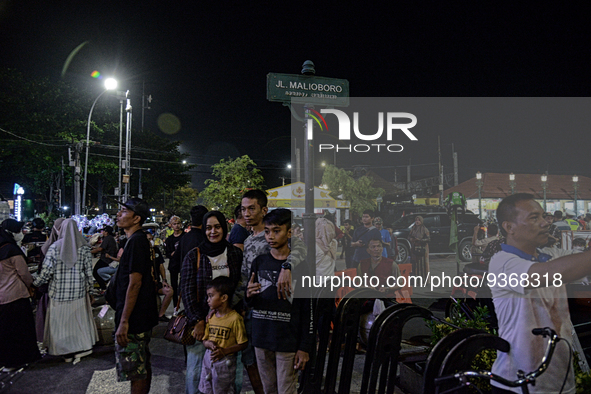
224 337
281 328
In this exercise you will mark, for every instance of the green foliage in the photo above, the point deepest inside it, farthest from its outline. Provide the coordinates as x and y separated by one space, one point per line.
180 201
233 178
48 218
582 379
485 359
359 191
43 118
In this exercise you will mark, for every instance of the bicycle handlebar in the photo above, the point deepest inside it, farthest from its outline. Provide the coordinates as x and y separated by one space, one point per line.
524 379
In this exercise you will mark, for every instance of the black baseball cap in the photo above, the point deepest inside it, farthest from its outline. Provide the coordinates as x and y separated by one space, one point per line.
138 206
12 225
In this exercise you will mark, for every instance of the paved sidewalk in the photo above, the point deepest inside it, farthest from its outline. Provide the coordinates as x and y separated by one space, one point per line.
95 374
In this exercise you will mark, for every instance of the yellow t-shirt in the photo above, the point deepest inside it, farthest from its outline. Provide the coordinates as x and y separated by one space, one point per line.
227 330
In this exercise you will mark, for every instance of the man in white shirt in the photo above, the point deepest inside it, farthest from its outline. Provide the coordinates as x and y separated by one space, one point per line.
536 297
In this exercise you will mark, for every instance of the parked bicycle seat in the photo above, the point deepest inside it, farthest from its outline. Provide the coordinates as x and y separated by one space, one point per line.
475 269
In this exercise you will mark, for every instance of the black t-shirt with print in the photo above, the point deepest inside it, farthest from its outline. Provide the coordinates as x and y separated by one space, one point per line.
278 325
137 257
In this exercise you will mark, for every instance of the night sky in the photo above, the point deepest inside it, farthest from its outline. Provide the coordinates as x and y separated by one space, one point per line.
207 62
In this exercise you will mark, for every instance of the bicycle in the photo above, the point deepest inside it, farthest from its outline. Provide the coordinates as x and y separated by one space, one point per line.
523 379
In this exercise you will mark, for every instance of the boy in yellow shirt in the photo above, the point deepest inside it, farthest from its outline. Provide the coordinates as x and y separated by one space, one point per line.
225 336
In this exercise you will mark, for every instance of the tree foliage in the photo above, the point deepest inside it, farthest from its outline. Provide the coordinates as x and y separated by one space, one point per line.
179 201
358 191
232 178
41 118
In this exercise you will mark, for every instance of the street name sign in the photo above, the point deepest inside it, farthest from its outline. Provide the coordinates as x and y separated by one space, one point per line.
307 89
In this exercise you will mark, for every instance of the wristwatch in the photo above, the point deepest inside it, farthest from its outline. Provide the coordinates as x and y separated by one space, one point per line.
286 266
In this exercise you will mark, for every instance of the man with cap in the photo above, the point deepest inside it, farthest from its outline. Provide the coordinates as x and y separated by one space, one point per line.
108 247
136 311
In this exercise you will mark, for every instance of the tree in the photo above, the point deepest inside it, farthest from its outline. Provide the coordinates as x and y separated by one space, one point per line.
359 191
233 178
180 201
40 119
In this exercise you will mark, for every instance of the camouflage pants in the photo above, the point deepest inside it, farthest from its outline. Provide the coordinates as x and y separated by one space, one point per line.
133 361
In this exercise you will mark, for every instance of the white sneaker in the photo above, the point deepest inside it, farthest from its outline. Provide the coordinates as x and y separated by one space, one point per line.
83 354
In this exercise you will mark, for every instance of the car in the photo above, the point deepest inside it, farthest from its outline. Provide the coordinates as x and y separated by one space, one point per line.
439 226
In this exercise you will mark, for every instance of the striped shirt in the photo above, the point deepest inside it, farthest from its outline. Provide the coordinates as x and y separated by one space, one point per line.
66 284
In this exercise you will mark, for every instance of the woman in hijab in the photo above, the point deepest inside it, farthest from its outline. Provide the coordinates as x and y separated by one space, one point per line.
41 291
419 239
212 258
17 325
70 330
326 248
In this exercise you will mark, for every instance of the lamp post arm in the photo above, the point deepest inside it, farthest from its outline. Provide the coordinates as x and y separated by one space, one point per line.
87 143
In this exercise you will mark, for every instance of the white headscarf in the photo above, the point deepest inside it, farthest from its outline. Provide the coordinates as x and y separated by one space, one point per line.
70 240
325 234
54 236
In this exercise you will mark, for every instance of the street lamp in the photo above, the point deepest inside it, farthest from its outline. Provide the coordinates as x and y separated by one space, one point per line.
576 186
544 187
110 84
479 184
512 182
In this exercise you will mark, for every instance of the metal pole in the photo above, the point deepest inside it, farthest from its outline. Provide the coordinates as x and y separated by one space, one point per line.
576 186
139 193
544 187
143 96
456 176
128 148
77 180
309 217
87 143
120 144
480 201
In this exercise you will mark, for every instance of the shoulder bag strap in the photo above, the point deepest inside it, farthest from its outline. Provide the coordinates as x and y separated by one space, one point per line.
178 303
198 262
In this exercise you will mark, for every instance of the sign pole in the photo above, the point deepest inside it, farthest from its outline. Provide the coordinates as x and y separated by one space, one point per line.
309 90
309 217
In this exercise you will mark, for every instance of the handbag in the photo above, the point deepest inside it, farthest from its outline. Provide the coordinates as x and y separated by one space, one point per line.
177 330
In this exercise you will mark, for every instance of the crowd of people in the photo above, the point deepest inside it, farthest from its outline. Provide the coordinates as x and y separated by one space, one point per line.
236 286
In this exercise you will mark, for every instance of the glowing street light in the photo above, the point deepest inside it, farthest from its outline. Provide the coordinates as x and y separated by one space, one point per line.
110 84
289 166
